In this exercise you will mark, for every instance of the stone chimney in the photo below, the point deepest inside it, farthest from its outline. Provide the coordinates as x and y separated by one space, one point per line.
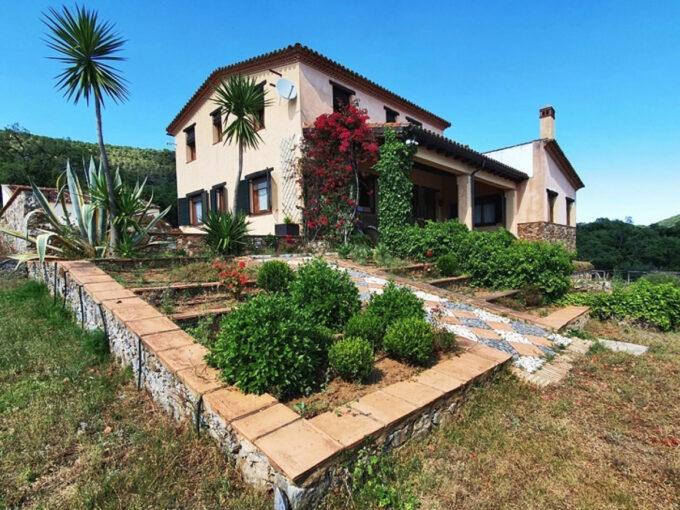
547 119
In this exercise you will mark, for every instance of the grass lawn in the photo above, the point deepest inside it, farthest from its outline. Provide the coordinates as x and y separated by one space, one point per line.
75 433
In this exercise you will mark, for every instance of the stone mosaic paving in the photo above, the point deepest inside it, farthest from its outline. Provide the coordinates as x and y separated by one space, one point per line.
530 345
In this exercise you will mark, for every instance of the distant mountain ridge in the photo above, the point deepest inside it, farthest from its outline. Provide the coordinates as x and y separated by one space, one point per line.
26 157
669 222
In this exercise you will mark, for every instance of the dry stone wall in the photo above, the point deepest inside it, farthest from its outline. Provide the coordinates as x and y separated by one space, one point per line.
546 231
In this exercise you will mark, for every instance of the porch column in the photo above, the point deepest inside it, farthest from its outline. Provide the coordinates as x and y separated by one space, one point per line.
465 199
511 210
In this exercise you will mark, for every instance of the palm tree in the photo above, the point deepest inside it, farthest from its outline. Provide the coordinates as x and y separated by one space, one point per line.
242 99
87 46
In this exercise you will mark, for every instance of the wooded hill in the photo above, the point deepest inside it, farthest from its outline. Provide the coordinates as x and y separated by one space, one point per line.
25 157
617 245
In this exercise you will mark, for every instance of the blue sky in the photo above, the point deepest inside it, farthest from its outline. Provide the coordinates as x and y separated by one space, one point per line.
611 69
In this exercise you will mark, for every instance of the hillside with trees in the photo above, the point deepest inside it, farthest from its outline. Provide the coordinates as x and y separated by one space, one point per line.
619 245
25 157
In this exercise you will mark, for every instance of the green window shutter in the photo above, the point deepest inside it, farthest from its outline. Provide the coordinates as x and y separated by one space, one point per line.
213 199
204 200
183 211
244 197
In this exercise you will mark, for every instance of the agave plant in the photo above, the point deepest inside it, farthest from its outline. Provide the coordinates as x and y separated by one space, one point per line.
85 231
226 232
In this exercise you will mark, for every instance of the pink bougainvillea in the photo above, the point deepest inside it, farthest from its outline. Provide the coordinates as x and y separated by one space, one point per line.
333 152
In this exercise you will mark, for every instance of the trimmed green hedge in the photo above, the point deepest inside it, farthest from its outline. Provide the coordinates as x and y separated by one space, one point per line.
351 358
269 345
643 302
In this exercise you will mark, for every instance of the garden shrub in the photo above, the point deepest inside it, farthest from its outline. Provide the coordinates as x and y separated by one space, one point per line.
448 265
269 345
432 240
444 341
275 276
366 325
351 358
411 340
642 302
662 278
393 304
326 294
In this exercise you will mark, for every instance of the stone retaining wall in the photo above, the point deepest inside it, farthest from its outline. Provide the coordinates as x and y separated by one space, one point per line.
271 445
546 231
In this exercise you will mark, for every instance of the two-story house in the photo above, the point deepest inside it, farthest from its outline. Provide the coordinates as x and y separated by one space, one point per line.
530 189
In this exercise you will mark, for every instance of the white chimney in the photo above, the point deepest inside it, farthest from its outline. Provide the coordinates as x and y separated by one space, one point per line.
547 120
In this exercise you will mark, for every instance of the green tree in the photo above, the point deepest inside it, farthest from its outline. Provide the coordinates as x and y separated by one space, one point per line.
87 47
241 99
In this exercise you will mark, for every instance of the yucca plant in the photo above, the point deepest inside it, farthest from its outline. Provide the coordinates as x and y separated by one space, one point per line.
85 230
241 99
226 232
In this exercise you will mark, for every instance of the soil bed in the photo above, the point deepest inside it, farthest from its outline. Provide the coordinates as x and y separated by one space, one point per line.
337 392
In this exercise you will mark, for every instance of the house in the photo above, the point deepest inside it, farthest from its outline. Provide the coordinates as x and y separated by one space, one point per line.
532 197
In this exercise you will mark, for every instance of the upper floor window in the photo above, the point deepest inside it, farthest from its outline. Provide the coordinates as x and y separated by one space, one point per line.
342 96
190 137
552 198
259 118
391 115
414 122
217 125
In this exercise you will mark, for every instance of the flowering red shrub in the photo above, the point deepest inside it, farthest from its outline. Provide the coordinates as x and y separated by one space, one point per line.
233 276
333 152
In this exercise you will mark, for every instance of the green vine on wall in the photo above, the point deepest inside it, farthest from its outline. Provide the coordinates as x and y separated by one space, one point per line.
395 188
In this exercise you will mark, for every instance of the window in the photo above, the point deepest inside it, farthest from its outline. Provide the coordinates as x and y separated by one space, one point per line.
391 115
570 210
366 194
217 125
196 209
342 96
219 198
414 122
552 197
424 203
487 211
259 118
260 192
190 135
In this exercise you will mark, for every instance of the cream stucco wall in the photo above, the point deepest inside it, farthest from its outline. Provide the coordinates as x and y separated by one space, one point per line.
556 181
316 93
216 163
519 157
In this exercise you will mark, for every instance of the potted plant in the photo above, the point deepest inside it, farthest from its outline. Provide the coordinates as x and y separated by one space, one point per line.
287 228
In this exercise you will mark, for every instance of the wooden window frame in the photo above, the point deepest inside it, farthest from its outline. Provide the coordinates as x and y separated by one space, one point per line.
192 213
254 202
414 122
260 117
217 128
390 112
570 205
191 153
341 89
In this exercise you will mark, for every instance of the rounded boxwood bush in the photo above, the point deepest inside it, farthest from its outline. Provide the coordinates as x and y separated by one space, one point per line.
448 265
351 358
393 304
275 276
411 340
366 325
269 345
325 293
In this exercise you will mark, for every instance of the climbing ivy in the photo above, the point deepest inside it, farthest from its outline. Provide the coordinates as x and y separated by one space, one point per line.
395 188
